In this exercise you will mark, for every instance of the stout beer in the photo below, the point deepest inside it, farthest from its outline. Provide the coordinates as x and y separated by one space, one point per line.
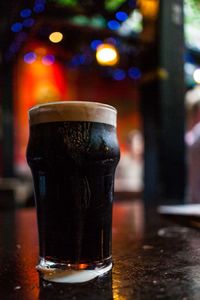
73 152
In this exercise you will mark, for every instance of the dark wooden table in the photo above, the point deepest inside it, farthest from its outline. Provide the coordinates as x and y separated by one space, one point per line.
153 259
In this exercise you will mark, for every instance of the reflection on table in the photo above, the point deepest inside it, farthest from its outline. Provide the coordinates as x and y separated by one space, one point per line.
153 259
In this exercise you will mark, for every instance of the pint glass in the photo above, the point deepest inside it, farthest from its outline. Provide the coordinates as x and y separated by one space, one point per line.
72 153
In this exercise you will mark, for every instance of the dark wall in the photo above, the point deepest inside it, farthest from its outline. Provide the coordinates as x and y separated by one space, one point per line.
162 105
172 90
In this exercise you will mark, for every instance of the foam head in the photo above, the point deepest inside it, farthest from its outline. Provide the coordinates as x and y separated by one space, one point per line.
73 111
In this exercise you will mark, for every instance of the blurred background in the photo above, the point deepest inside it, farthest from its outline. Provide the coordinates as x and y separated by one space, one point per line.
143 57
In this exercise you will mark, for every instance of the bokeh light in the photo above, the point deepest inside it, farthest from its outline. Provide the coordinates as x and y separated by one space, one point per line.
134 73
95 43
196 75
48 59
149 9
113 5
38 8
56 37
121 16
30 57
119 74
25 13
107 55
98 21
113 25
189 68
16 27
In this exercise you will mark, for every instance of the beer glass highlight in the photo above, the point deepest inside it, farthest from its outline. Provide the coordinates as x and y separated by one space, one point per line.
73 152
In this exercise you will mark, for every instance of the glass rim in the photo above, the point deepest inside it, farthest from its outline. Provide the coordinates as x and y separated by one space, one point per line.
86 111
84 103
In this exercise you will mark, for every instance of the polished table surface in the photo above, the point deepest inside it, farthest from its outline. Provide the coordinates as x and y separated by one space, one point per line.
154 258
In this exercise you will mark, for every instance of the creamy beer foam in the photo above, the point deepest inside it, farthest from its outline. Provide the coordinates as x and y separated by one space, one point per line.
73 111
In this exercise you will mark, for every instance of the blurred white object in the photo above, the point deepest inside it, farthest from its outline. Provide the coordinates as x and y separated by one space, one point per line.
192 97
192 139
180 210
129 173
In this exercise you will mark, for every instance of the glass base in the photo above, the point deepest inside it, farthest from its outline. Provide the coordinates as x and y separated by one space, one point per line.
72 273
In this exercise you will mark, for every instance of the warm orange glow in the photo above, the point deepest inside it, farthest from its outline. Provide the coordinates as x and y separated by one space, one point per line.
83 266
41 51
149 8
107 55
37 83
56 37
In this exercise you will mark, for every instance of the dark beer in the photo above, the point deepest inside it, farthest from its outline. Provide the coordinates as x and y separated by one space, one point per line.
73 164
